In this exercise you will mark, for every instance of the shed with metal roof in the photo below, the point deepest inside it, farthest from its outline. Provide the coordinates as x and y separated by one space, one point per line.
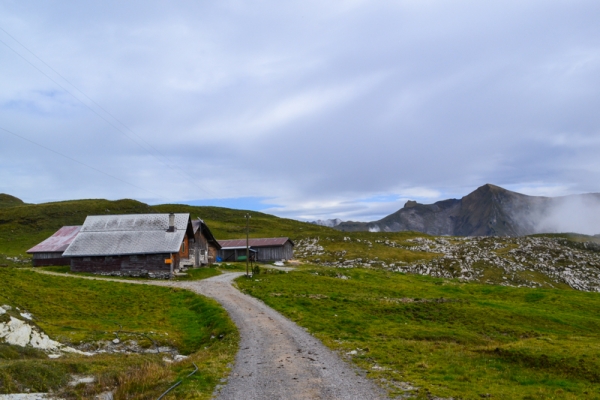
267 249
50 251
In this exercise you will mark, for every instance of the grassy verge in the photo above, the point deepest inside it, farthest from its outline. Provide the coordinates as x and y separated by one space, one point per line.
445 338
192 274
78 312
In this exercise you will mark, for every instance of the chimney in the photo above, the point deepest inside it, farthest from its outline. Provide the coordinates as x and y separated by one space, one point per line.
171 223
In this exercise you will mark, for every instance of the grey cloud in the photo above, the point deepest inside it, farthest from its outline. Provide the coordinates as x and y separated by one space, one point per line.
310 103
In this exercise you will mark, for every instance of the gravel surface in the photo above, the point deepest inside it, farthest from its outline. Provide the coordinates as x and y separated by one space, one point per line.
277 359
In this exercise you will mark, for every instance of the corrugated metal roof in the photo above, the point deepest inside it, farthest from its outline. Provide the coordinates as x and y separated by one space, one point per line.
264 242
106 235
133 222
57 242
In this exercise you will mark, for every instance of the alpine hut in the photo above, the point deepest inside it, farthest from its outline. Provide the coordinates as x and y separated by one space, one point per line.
132 245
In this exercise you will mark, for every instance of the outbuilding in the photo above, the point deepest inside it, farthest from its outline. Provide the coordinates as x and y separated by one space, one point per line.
264 249
205 248
50 251
132 245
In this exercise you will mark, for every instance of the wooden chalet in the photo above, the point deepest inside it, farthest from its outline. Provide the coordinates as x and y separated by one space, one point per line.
153 245
50 251
266 249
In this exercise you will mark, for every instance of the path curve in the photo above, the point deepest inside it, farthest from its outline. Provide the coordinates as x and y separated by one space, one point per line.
277 359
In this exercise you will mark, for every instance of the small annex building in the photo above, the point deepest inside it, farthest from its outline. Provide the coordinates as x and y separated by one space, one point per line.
264 249
50 251
151 245
205 247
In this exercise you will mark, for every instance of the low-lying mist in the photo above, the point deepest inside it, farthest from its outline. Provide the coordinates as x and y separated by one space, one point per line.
577 214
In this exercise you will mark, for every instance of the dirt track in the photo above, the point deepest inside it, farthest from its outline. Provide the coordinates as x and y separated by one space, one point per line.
277 359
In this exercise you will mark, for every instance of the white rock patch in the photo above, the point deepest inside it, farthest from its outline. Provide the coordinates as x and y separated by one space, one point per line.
20 333
77 379
27 315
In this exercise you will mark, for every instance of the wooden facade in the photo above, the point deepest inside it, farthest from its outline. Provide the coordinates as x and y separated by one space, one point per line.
204 247
50 259
276 253
142 265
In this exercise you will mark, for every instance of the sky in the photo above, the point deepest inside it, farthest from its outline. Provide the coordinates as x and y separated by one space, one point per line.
301 109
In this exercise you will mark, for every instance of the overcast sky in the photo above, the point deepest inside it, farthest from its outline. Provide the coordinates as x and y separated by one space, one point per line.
308 109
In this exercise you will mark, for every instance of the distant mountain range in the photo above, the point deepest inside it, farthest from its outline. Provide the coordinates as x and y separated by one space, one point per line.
492 211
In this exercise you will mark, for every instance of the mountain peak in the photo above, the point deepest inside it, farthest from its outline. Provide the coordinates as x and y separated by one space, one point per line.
489 210
410 204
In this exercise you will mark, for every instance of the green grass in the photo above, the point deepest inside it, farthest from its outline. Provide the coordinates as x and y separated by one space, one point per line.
447 338
194 274
77 311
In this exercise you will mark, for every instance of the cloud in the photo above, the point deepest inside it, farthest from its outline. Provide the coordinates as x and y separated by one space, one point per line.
338 109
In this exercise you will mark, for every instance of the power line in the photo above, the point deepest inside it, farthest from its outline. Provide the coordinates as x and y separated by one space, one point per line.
99 106
81 162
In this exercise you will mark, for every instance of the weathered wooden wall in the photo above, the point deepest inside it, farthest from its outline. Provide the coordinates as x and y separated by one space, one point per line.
276 253
267 253
202 244
152 265
50 259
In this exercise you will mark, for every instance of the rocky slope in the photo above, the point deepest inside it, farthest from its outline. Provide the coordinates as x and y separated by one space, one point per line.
534 261
488 211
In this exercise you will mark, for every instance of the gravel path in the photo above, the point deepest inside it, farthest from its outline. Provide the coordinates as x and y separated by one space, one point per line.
277 359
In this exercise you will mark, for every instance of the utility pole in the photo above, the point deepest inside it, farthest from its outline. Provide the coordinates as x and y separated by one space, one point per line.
247 246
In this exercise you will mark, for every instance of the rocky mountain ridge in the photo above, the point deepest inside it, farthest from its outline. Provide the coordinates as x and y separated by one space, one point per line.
488 211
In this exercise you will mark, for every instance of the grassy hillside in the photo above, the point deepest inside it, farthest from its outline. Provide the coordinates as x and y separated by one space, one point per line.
440 337
24 226
6 200
90 314
227 223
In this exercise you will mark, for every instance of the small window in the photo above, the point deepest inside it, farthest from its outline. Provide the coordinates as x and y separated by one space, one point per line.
87 259
183 247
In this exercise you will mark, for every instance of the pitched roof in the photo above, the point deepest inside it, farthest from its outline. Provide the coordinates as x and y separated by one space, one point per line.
197 224
107 235
57 242
263 242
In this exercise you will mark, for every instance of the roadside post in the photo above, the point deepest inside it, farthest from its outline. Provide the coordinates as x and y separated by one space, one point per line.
247 241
